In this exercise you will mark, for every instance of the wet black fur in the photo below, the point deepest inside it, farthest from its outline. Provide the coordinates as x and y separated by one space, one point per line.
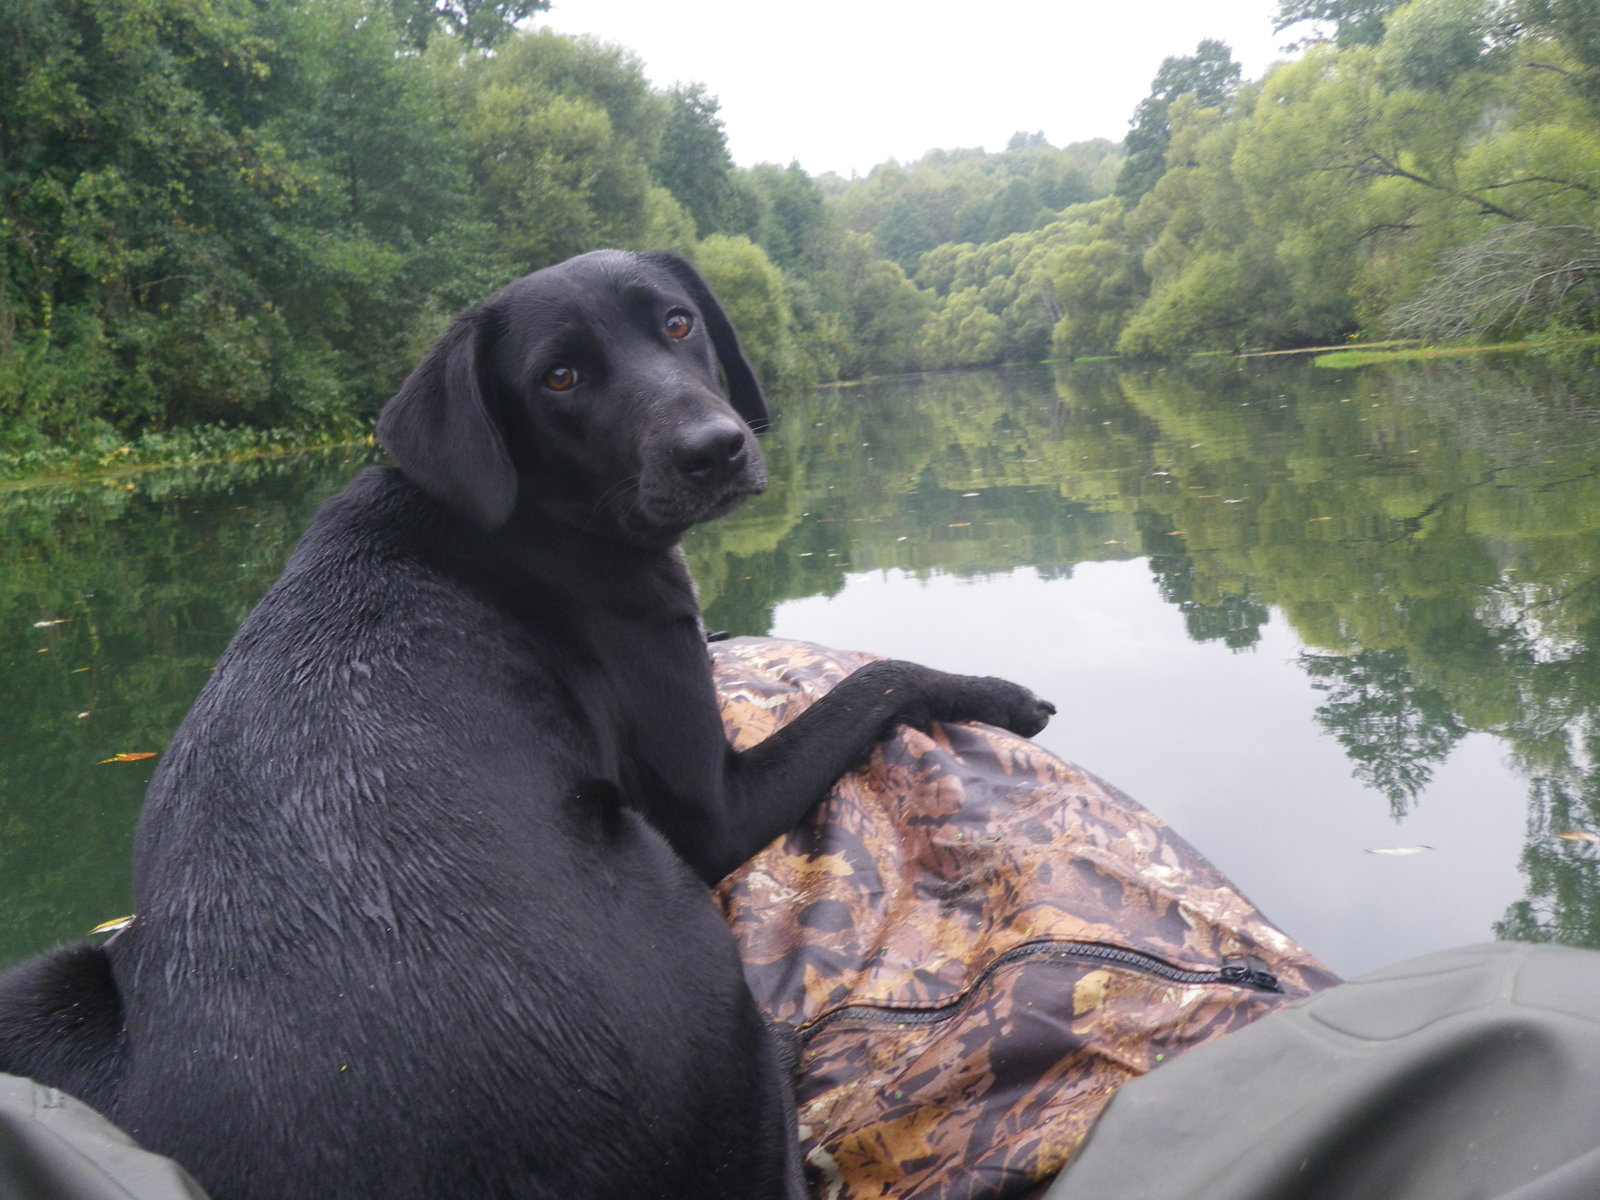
421 879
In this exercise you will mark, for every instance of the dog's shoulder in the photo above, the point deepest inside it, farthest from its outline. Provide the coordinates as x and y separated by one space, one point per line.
389 599
378 551
379 516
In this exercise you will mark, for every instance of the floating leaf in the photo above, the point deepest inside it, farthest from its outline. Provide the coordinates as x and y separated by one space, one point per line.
1399 850
1578 835
130 756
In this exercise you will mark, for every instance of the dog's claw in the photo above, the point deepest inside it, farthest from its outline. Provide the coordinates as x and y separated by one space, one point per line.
1005 704
1031 718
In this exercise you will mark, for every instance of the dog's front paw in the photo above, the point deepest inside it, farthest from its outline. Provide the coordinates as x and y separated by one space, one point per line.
1003 703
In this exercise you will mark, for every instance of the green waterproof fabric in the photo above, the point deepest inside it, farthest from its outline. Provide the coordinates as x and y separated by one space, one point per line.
53 1147
1472 1074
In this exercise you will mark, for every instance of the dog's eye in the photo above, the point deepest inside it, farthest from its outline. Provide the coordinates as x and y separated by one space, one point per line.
559 379
678 324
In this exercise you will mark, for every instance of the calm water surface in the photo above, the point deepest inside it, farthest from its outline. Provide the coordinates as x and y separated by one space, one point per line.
1303 615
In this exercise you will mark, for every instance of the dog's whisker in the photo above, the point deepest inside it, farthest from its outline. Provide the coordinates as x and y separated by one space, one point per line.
605 502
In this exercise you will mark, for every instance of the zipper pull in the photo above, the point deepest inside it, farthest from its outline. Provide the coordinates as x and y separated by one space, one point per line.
1249 971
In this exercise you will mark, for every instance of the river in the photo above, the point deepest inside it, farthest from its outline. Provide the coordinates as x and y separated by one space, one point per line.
1339 628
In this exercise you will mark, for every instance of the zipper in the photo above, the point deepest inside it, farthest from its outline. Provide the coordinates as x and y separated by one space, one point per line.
1237 970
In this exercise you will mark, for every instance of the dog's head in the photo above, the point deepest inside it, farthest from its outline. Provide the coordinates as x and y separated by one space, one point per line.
590 392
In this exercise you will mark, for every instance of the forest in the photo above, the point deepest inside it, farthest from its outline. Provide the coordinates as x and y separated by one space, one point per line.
248 217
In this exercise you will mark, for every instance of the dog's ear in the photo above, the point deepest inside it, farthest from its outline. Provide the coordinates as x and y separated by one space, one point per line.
439 430
744 392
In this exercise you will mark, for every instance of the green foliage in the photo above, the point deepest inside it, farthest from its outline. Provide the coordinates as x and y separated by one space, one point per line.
1572 29
257 213
882 309
693 162
557 134
1331 196
1202 306
1355 22
1095 280
1383 182
782 210
967 196
203 223
1431 44
1214 279
962 332
753 292
481 23
1208 77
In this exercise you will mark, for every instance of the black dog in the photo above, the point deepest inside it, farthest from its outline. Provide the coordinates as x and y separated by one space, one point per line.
421 880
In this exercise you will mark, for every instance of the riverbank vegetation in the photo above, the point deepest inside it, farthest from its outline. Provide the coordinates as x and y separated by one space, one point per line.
226 215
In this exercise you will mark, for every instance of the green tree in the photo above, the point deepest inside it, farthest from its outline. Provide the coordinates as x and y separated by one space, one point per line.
1394 731
693 161
883 310
558 135
1364 180
477 23
1431 44
1574 28
1095 283
382 203
905 233
1354 22
1016 208
1209 75
1205 305
971 196
961 332
1214 281
783 211
140 197
752 290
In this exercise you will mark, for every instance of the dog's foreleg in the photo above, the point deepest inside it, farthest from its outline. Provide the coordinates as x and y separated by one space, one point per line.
769 788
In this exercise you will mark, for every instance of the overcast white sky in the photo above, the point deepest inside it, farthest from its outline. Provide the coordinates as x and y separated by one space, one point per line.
842 85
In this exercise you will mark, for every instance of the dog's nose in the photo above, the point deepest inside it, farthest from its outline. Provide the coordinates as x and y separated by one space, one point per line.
711 451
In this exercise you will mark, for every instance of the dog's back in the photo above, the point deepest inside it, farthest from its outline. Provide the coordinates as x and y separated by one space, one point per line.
338 908
421 879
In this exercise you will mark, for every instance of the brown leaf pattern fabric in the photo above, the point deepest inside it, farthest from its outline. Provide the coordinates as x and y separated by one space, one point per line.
977 943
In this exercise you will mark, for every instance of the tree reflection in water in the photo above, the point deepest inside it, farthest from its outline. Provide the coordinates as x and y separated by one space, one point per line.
1430 532
1393 731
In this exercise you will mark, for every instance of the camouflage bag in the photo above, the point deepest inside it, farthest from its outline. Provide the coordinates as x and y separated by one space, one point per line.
976 944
